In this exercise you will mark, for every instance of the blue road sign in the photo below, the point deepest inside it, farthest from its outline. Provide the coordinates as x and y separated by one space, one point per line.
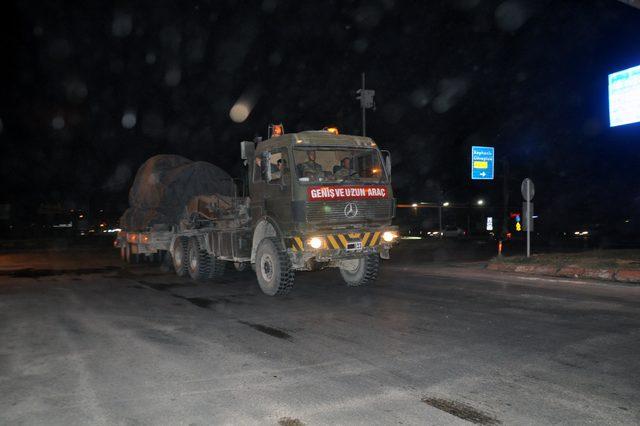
482 162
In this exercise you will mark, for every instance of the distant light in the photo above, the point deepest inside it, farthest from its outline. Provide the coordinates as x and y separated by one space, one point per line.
480 202
414 205
445 204
129 119
410 238
240 112
63 225
81 216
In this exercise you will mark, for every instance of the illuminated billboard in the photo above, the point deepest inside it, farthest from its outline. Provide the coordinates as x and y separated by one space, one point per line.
624 97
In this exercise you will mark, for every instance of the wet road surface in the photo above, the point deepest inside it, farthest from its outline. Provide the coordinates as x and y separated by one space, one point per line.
131 345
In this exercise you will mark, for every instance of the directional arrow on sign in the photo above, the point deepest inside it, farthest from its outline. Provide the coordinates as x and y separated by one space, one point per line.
483 174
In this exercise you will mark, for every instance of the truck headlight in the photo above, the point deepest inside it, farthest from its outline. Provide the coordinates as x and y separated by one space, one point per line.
315 242
389 236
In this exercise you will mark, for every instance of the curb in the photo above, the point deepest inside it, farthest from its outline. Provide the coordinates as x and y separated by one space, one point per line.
570 271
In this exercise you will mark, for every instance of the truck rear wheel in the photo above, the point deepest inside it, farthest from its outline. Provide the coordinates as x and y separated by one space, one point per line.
273 268
241 266
199 265
180 256
217 267
362 271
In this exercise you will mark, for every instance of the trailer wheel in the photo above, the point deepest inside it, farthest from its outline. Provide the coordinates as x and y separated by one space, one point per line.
217 267
359 272
273 268
180 256
131 257
199 265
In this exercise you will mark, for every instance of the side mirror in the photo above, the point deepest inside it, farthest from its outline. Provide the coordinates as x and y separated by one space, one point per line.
387 162
265 166
247 149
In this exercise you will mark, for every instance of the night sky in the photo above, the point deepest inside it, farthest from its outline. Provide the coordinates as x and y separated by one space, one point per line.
92 89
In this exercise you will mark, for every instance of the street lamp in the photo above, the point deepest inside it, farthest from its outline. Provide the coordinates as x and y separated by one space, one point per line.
445 204
414 205
480 202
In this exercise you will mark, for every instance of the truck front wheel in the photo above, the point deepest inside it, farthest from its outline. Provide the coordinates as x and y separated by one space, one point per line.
180 256
273 268
362 271
199 261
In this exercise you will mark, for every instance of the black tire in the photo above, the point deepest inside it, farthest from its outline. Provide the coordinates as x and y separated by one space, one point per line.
273 268
241 266
199 265
361 271
217 267
180 256
166 262
132 258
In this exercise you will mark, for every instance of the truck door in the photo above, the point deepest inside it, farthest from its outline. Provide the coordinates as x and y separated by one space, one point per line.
278 188
271 181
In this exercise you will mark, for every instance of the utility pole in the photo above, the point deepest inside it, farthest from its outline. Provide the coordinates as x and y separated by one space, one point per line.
366 102
364 111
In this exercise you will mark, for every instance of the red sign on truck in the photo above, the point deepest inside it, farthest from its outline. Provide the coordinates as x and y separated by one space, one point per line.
328 193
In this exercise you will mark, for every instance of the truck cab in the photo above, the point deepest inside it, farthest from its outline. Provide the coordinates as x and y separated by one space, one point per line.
318 199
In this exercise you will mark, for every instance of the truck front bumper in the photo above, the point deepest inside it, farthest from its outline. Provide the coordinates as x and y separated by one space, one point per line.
329 246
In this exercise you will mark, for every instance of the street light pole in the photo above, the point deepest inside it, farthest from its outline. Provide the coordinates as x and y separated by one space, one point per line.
364 113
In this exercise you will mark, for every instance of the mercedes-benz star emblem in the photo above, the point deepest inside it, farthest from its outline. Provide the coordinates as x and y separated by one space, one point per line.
351 210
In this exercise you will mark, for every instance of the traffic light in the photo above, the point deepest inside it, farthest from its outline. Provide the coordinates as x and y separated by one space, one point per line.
365 96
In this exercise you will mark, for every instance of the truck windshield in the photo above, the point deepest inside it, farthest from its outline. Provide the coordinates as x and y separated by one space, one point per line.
338 165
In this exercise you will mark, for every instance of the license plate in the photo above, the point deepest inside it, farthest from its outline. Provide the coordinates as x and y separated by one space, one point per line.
354 246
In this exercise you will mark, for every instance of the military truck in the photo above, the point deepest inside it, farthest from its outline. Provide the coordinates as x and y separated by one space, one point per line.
316 199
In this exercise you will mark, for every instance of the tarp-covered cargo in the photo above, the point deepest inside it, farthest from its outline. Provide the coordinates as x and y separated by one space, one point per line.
164 185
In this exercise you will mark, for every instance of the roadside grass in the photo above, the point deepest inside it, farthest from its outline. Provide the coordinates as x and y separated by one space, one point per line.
595 259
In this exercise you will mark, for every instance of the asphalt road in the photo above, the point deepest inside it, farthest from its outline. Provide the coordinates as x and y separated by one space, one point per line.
102 343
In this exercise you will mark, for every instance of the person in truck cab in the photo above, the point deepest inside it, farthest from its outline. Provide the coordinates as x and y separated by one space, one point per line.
344 170
310 168
282 170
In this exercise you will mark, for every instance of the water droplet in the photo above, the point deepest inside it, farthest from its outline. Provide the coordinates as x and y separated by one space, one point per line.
129 119
58 122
